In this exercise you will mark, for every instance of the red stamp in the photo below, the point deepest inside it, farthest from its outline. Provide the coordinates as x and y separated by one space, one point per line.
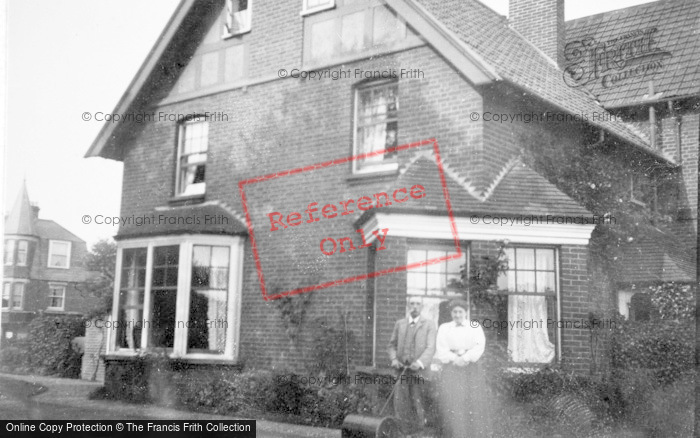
291 235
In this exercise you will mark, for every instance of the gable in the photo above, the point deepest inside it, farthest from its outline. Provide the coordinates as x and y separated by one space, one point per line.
518 191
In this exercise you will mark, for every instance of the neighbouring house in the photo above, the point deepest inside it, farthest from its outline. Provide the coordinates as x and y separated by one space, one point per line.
646 72
236 93
44 269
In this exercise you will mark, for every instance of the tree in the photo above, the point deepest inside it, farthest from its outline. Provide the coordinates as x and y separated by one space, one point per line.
102 260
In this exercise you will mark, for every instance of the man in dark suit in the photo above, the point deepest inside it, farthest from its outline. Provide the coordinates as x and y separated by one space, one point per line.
412 346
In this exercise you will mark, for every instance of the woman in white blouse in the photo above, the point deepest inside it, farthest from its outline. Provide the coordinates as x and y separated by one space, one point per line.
459 345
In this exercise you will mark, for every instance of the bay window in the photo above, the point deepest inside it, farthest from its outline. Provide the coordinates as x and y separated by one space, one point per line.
22 246
13 295
531 286
9 252
431 282
180 295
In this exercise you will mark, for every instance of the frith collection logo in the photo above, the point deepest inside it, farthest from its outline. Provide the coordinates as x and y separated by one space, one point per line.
615 62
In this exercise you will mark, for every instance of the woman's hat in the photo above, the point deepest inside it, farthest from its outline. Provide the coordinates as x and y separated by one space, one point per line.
459 303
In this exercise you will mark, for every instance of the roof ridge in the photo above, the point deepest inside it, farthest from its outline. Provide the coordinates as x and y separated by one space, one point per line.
462 181
230 210
541 52
505 170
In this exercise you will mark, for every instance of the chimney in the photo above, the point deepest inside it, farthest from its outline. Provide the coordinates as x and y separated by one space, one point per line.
542 23
35 211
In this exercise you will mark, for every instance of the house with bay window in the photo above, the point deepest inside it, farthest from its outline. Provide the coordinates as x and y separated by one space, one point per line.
239 93
44 269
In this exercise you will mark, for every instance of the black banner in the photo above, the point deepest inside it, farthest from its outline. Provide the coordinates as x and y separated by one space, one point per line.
131 429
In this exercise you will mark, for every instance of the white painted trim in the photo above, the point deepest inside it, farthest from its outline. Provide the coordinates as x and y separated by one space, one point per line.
68 257
308 11
12 282
63 300
226 34
186 242
112 345
446 42
438 227
26 252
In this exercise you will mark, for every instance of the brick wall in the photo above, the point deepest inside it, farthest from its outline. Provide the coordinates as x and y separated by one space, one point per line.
302 122
542 23
578 294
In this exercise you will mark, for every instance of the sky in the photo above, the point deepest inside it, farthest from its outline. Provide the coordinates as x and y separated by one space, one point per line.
68 57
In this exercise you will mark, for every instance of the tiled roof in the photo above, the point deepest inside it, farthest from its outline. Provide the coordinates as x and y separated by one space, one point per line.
519 62
657 255
48 229
20 221
675 45
521 191
196 219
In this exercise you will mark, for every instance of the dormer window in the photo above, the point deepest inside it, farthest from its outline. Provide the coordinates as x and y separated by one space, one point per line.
59 254
311 6
193 142
238 17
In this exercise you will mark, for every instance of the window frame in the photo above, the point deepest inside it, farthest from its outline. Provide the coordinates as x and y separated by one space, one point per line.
63 287
68 256
9 252
443 246
403 39
556 296
386 165
181 138
306 10
9 295
228 12
20 243
186 243
13 282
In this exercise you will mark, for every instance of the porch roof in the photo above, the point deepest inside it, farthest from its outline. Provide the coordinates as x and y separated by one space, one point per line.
657 255
207 218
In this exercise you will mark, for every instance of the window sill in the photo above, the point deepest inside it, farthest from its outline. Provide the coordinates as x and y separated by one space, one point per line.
134 355
379 175
312 11
186 200
226 36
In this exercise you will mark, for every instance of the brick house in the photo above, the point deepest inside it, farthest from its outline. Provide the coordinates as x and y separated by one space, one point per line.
657 89
185 253
44 269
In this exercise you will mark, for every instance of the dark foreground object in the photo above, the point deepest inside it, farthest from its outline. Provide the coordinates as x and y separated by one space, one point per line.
361 426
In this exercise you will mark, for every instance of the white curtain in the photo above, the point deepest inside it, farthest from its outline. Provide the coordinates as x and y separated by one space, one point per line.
532 344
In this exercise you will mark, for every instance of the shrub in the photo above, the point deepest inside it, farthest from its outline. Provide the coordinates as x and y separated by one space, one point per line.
48 345
332 348
227 391
663 346
14 358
